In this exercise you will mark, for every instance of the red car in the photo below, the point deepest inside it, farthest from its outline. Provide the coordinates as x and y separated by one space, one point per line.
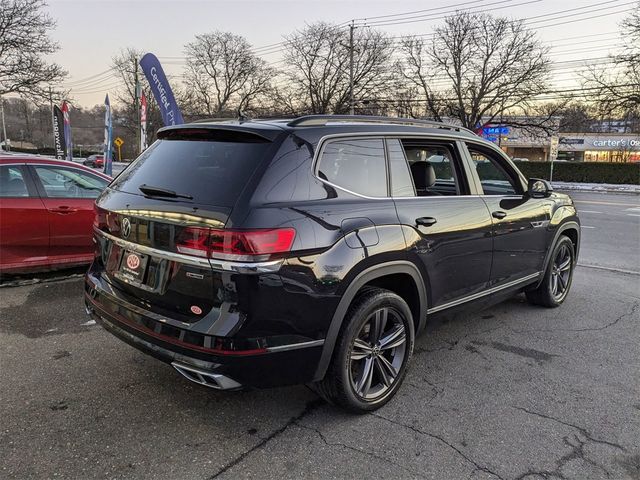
46 213
95 161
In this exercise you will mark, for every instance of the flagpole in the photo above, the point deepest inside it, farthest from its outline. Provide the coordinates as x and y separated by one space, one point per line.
4 126
137 104
53 119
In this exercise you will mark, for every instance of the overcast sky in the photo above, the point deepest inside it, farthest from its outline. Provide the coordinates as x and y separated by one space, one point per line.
90 32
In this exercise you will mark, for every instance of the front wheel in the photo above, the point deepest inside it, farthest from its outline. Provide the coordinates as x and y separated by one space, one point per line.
372 352
557 278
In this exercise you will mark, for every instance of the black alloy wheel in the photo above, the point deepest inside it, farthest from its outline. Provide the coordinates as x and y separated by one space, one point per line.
372 352
557 279
378 353
561 272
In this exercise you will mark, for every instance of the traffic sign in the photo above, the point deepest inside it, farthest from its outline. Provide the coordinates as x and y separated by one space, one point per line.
118 142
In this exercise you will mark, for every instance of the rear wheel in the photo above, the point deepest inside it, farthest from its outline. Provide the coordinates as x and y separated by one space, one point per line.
372 352
557 279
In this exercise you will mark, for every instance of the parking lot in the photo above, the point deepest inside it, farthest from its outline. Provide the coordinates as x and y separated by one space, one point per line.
511 391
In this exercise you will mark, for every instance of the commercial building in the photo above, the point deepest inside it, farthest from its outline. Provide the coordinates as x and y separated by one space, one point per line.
574 147
599 147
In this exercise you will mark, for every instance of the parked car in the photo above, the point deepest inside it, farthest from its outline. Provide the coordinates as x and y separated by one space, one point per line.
313 250
94 161
46 213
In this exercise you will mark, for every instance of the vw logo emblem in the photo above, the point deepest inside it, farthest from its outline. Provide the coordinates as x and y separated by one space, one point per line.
126 227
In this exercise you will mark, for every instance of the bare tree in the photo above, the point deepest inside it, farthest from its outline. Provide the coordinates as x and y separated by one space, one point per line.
577 117
24 42
618 88
126 67
317 66
476 68
223 74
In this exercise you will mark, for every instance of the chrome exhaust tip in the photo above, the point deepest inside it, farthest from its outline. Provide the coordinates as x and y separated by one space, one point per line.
203 377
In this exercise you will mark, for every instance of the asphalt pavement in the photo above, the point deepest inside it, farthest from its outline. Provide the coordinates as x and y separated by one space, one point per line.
511 392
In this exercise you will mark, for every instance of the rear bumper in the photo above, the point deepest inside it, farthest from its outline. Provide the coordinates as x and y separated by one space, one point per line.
277 366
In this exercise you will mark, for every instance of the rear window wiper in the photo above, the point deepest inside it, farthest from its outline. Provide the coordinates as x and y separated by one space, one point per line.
161 192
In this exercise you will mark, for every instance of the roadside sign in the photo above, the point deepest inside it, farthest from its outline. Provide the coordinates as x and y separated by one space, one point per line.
553 148
553 153
118 142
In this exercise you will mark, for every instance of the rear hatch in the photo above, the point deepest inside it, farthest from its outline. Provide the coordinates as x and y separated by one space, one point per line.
152 218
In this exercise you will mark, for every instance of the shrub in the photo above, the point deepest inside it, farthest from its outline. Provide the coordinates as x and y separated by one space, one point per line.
586 172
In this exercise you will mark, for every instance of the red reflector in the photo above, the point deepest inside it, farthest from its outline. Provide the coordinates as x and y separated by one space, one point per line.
234 244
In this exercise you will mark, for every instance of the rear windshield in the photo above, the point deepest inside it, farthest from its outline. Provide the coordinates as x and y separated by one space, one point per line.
212 172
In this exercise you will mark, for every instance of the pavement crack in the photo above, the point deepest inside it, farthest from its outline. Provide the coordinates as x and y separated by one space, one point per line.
309 408
582 430
358 450
477 466
576 452
614 322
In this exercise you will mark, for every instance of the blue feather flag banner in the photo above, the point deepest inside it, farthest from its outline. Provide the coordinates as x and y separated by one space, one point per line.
161 90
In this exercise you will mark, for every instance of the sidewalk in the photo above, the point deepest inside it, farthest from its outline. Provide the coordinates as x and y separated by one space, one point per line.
597 187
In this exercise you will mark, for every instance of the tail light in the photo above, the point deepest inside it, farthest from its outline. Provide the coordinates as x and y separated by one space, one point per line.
246 245
100 218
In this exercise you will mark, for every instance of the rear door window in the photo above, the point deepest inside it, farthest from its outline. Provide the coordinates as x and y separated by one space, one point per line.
211 171
357 165
12 182
435 168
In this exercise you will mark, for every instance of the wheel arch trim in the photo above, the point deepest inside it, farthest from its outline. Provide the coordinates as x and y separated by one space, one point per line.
568 225
364 277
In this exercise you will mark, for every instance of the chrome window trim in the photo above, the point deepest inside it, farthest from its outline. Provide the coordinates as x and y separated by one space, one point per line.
219 265
483 293
378 135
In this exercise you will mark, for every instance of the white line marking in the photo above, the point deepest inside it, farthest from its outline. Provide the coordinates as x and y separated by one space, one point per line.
588 211
608 203
633 214
586 226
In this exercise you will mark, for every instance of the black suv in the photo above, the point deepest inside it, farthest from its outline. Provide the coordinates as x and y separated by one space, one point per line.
277 252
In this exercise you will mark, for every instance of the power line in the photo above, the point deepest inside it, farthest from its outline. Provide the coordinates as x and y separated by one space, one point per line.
439 15
88 79
418 11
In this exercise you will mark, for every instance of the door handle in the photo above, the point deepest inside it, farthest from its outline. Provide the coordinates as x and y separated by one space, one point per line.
499 214
64 209
426 221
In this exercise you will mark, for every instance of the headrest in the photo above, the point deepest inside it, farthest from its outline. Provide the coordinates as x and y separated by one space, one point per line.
424 175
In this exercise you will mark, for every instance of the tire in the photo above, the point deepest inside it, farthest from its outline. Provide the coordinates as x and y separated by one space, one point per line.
361 349
558 276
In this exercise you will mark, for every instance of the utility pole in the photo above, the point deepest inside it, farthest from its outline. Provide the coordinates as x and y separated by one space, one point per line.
53 120
351 102
136 106
4 127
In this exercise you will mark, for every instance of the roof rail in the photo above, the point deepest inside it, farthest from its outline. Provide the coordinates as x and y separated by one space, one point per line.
321 120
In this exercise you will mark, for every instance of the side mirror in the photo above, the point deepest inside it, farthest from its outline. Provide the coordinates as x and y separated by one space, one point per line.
538 188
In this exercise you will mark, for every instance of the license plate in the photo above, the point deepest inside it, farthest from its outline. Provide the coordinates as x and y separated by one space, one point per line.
133 266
